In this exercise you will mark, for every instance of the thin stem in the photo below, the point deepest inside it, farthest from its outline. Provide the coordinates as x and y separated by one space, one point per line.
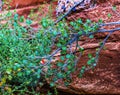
110 23
98 53
68 12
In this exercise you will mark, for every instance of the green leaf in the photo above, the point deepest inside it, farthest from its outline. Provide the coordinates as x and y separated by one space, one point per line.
83 67
22 19
52 84
44 25
80 75
59 44
64 48
92 59
100 43
19 74
79 21
88 21
89 62
39 71
114 8
10 77
38 76
55 79
69 67
28 72
73 69
80 32
15 24
68 56
24 29
68 72
91 36
9 14
55 33
25 61
62 58
100 21
59 75
76 27
28 21
109 15
8 71
72 23
16 17
82 71
60 64
17 65
81 49
49 93
66 83
65 35
89 55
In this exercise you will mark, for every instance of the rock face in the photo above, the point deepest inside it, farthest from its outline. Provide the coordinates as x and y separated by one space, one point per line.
21 3
105 78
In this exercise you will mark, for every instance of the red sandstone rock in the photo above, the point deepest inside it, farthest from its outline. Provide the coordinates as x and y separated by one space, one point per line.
105 78
21 3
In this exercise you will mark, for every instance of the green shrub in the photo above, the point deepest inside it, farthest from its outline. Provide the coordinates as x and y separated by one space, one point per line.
27 55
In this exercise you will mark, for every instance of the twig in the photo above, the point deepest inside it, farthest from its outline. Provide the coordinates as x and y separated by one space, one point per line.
110 23
98 53
68 12
105 30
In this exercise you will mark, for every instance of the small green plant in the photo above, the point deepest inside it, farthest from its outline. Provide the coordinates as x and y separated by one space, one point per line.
114 8
109 15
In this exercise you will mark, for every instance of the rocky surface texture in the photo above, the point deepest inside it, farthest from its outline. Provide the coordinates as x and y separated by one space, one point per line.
22 3
105 78
34 9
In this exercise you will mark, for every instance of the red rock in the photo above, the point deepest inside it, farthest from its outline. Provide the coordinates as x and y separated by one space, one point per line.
21 3
105 78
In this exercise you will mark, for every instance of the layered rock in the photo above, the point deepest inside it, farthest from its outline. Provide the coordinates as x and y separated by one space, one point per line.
22 3
105 77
